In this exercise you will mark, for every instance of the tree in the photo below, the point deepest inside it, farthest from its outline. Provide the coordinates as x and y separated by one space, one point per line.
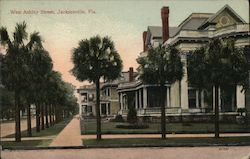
218 64
7 104
94 59
41 65
161 65
14 68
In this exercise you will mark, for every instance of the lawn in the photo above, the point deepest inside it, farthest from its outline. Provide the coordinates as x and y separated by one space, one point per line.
154 128
27 143
199 141
48 132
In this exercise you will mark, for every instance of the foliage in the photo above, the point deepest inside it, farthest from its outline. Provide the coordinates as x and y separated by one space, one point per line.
6 103
132 126
160 65
241 111
118 118
94 58
218 63
26 70
132 116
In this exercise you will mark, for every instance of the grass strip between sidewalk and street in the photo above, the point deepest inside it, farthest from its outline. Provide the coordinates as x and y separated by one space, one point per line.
137 142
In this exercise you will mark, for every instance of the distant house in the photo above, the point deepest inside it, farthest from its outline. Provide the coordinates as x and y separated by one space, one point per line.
191 34
109 99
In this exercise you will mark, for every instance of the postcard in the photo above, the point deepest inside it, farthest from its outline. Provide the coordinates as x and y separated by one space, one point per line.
124 79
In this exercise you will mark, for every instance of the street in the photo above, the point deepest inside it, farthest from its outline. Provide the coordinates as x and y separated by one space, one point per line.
8 128
134 153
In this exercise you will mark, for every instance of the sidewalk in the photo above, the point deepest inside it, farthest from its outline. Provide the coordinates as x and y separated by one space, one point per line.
70 135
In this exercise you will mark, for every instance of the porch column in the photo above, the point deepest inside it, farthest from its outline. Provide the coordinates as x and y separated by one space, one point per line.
121 101
145 98
197 98
168 96
140 102
107 112
202 99
124 102
240 97
184 84
100 108
136 99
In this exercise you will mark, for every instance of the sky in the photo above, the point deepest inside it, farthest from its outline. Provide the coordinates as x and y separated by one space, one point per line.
123 21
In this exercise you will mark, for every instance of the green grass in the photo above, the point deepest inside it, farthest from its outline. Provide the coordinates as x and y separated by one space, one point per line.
51 131
27 143
199 141
110 128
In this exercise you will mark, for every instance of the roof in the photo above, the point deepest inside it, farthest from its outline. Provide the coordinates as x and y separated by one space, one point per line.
202 16
193 22
156 31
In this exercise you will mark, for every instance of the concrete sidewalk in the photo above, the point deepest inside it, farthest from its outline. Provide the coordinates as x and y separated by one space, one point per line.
70 135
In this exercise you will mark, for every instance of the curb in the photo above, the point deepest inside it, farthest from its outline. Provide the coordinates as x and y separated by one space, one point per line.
119 146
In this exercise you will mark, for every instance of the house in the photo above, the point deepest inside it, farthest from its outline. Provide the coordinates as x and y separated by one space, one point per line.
181 97
109 101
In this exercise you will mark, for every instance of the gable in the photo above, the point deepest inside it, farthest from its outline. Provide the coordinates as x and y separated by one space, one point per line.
225 18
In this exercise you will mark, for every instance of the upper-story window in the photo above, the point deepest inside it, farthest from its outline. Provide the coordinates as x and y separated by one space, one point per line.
106 92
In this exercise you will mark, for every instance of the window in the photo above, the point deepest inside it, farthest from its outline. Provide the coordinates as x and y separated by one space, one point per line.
192 98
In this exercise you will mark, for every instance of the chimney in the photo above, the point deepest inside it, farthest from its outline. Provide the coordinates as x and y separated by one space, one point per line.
144 36
131 74
165 25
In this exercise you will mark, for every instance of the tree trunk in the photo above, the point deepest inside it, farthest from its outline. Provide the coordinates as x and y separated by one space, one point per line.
37 118
56 114
163 113
235 98
42 116
29 131
50 115
216 113
46 116
98 117
53 115
17 118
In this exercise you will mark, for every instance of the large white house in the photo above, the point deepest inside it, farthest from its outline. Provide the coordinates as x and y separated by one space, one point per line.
181 98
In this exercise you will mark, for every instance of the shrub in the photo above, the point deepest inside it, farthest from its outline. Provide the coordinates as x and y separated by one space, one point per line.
118 118
132 126
242 111
132 115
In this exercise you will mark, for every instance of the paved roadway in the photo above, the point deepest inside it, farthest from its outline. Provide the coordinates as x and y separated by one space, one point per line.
8 128
134 153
